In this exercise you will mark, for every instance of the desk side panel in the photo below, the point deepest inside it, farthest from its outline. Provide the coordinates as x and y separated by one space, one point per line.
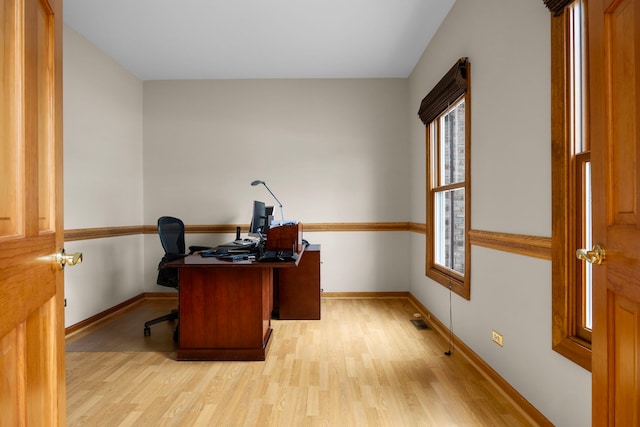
223 308
299 288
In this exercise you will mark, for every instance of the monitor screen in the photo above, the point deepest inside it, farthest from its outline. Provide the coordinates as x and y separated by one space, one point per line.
258 219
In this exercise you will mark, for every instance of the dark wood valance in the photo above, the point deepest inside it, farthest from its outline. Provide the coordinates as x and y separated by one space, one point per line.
557 6
450 88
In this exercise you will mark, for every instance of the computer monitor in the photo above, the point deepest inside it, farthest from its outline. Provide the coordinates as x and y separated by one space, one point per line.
260 220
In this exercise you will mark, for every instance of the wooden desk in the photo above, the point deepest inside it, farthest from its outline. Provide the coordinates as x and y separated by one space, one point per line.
225 308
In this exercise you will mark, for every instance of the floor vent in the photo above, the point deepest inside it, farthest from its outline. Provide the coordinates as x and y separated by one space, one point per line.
419 324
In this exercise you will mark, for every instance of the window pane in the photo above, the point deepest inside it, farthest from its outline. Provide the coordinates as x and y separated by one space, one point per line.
588 244
452 145
449 229
577 79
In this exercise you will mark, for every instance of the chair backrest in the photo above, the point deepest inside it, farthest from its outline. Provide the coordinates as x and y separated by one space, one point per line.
171 232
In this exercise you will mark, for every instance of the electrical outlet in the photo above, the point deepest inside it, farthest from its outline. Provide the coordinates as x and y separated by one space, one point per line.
496 337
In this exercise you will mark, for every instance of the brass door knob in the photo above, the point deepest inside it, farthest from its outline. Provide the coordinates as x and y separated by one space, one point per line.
64 259
593 256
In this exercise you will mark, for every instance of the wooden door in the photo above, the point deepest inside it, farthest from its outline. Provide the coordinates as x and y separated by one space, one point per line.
32 390
614 57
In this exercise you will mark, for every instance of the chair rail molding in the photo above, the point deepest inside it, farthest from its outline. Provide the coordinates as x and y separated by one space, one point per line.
533 246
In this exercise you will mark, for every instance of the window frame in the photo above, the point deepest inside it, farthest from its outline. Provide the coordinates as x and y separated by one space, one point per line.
569 338
451 279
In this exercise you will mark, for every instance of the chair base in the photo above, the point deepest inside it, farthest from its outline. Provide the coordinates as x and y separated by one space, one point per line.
166 318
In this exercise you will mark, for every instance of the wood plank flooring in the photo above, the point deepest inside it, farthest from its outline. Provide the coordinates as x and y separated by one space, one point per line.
363 364
123 331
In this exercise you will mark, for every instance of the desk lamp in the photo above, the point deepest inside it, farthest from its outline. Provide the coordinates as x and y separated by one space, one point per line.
258 182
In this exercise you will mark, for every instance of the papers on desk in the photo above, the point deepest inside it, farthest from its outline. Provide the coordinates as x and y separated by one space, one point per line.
232 252
240 244
278 222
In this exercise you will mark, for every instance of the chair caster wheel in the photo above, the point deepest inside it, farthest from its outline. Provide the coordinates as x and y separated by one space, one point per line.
147 332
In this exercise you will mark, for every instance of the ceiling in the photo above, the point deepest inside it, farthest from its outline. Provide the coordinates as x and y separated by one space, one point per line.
243 39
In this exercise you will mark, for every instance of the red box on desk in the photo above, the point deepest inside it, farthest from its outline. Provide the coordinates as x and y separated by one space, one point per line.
285 238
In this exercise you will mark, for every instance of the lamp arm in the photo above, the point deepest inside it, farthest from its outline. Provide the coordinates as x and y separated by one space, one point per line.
279 202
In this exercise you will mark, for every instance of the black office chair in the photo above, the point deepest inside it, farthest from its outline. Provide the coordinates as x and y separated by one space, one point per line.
171 232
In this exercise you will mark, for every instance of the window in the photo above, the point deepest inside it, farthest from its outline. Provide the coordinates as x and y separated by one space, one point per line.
571 181
445 112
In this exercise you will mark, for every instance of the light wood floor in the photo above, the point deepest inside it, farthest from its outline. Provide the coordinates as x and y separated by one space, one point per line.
363 364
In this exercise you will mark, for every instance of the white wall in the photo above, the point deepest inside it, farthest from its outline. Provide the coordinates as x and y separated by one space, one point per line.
331 150
102 176
508 46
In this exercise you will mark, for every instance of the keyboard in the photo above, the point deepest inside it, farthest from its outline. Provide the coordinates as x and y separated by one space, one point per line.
278 256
